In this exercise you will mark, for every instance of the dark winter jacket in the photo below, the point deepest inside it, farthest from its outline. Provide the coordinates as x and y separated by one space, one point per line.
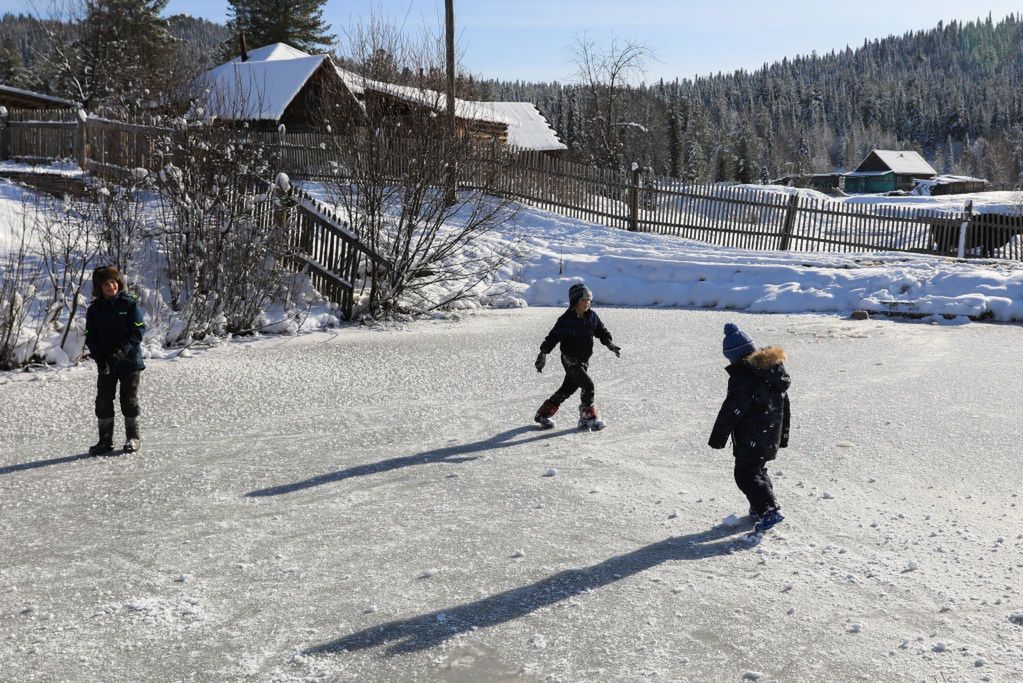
113 333
575 333
756 411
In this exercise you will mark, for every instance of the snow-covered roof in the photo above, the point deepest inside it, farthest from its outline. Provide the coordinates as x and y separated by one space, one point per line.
528 128
904 162
273 52
257 89
952 179
49 99
868 173
464 109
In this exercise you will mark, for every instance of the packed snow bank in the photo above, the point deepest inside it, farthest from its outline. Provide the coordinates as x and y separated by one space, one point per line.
636 269
641 269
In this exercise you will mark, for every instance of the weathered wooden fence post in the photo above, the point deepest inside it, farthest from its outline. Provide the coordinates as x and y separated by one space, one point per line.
82 153
634 199
790 221
5 133
965 227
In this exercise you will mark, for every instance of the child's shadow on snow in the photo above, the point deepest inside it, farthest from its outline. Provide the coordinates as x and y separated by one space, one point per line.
428 630
439 455
35 464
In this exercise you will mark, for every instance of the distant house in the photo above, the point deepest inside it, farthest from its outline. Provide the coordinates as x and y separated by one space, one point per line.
949 184
278 84
887 170
16 98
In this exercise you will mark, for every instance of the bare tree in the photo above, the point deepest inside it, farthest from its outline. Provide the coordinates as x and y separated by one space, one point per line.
390 175
605 73
21 276
69 240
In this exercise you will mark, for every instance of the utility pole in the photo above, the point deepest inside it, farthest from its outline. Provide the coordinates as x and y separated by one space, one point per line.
449 21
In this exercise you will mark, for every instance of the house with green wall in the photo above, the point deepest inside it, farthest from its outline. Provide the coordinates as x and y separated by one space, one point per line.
885 170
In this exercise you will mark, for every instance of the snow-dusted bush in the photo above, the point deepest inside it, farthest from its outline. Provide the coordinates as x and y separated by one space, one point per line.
417 193
223 230
21 276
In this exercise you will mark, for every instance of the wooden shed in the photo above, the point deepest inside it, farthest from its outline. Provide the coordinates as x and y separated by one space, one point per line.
17 98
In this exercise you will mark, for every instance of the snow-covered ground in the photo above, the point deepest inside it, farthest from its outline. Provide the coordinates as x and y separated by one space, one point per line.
374 504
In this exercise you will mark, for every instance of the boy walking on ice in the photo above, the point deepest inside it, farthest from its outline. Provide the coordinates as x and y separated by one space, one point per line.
756 415
574 330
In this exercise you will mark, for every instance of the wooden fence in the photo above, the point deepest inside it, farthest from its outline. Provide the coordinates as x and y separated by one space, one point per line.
741 216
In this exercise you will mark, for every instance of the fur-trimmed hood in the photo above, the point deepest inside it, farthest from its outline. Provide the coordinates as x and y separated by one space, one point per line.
767 364
767 357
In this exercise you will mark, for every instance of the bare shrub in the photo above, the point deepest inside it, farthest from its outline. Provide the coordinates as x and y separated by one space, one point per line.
390 175
21 276
223 230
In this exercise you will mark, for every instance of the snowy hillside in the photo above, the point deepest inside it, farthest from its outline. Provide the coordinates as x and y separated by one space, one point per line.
375 504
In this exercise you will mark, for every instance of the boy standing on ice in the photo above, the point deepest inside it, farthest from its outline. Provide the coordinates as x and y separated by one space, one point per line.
756 415
113 335
574 330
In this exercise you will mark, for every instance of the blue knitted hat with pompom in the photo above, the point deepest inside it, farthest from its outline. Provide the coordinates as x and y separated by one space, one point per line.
737 344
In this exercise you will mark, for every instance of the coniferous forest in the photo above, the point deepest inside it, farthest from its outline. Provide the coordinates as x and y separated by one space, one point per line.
953 93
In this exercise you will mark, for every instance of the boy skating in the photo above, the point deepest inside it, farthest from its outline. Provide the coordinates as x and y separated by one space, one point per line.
574 331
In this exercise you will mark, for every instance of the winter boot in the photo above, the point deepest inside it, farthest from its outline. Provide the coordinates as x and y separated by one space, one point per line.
545 415
106 437
588 418
132 441
771 518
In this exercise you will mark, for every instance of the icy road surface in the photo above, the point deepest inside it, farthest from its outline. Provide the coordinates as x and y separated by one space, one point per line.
377 505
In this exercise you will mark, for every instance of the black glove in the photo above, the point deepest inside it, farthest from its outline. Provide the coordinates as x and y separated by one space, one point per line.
102 366
114 358
541 360
784 441
616 350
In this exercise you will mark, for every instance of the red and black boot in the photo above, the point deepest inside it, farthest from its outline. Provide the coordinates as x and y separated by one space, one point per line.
545 415
589 419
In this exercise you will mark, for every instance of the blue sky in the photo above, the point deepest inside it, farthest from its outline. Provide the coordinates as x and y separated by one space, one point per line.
529 39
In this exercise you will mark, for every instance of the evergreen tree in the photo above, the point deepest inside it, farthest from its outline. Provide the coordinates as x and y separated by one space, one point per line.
120 57
12 68
298 23
675 144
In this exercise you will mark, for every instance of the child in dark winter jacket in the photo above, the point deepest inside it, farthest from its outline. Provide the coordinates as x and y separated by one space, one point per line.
756 415
113 335
574 330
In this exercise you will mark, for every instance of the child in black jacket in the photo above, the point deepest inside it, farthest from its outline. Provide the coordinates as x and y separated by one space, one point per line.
756 415
574 330
113 334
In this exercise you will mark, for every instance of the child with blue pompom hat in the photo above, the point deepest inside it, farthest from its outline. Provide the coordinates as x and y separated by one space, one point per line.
756 415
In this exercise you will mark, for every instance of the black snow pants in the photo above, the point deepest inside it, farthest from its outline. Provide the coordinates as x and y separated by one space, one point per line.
575 378
106 388
752 479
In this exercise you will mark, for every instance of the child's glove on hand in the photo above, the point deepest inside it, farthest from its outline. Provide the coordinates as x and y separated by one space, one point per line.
616 350
717 444
103 366
541 360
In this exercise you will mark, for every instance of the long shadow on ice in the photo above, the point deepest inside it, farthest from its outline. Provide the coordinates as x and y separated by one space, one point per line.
35 464
428 630
445 455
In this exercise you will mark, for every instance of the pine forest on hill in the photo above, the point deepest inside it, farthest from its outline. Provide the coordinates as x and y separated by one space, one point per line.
952 93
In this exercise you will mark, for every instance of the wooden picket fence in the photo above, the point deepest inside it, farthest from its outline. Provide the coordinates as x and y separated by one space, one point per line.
729 215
